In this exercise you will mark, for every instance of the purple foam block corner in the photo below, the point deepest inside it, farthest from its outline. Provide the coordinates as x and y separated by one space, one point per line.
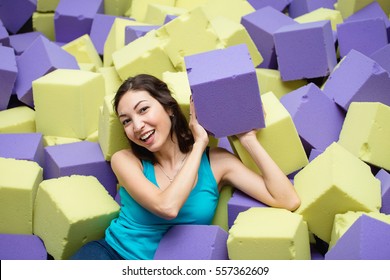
73 18
261 26
240 202
4 36
305 50
301 7
134 32
382 57
308 107
24 146
101 26
169 18
193 242
365 36
384 177
40 58
314 153
279 5
225 91
15 13
8 74
225 143
367 239
81 158
22 247
20 42
367 81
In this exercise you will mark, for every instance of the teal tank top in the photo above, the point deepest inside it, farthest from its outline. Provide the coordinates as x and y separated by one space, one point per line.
136 233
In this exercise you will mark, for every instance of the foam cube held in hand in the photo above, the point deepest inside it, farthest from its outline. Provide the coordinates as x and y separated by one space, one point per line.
193 242
279 138
337 181
305 50
67 103
366 133
256 235
225 91
71 211
21 247
19 182
384 177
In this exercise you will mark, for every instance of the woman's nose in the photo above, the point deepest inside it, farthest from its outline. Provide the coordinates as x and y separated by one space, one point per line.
138 124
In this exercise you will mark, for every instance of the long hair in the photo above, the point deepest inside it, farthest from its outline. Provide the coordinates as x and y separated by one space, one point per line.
159 91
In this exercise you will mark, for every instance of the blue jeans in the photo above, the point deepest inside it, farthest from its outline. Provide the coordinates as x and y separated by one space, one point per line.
96 250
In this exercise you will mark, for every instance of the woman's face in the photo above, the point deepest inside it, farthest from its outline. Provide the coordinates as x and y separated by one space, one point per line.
144 119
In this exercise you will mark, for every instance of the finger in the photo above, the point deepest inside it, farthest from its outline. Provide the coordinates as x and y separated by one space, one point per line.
192 108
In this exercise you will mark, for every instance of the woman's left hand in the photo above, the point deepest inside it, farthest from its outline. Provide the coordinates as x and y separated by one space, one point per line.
199 133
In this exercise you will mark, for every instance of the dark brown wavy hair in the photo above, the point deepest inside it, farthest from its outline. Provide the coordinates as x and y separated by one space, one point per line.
159 91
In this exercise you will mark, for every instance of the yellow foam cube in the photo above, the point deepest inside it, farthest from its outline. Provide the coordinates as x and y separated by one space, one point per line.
111 78
17 120
268 234
232 9
116 7
271 80
19 180
187 34
279 138
366 132
71 211
47 5
84 51
111 136
334 16
67 102
139 8
141 56
44 23
55 140
189 5
335 182
232 33
221 213
342 222
156 14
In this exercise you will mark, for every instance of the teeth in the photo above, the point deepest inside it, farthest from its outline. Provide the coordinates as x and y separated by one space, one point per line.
146 136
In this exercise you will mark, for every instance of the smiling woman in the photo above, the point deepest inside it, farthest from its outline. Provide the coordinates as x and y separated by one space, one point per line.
170 176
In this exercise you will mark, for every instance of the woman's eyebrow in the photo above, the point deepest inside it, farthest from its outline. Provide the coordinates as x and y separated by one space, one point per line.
136 105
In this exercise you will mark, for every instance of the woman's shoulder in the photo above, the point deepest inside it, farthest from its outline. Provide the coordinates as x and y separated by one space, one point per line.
125 156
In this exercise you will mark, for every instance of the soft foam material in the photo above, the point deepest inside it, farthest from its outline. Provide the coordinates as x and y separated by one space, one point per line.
17 194
193 242
382 57
228 90
15 13
366 133
349 7
112 81
47 5
279 5
44 23
71 211
305 50
279 138
384 177
300 7
307 106
133 32
336 181
17 120
322 14
4 36
101 26
116 8
256 236
221 213
55 140
67 102
21 247
156 14
8 74
139 8
232 9
261 26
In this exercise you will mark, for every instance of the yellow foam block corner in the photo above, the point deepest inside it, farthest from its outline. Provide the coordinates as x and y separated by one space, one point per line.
112 80
232 33
139 8
17 120
279 138
366 132
17 194
255 235
334 16
232 9
44 23
156 14
342 222
55 140
221 213
47 5
271 80
111 136
71 211
335 182
140 56
67 102
84 51
116 7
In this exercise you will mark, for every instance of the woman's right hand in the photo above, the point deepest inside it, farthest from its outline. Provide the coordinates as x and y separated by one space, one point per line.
199 133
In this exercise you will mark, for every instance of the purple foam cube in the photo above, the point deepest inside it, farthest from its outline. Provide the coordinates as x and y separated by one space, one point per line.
365 36
240 202
225 143
367 239
23 146
73 18
8 74
305 50
261 26
40 58
101 26
15 13
382 57
20 42
134 32
193 242
279 5
79 158
169 18
4 36
367 81
384 177
21 247
314 153
301 7
225 91
312 111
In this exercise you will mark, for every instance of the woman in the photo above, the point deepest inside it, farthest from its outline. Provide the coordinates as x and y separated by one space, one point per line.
169 176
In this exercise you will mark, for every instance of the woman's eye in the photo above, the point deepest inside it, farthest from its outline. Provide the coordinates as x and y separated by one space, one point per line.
143 109
126 122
